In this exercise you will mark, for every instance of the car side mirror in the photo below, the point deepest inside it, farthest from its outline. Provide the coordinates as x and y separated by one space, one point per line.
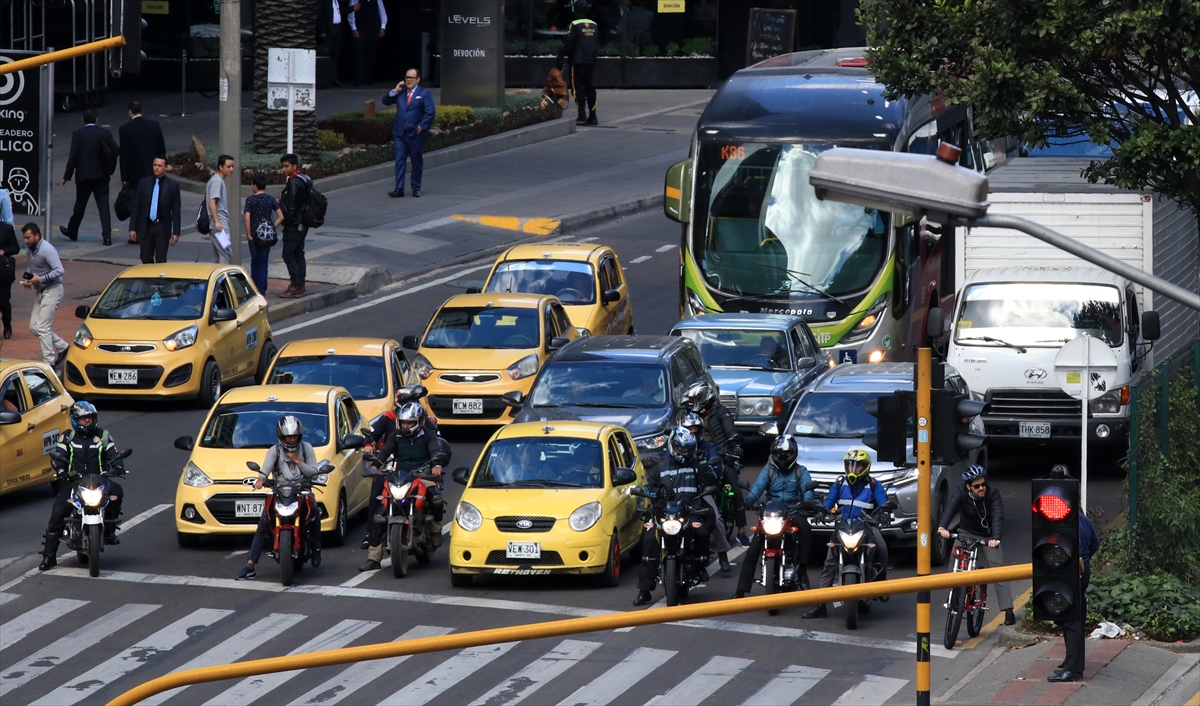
411 342
806 362
769 430
253 466
623 476
7 417
609 296
1150 326
474 290
353 441
223 314
459 475
557 342
516 398
185 443
326 467
81 312
935 325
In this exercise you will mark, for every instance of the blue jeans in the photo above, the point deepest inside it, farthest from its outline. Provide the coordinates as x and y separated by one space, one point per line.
405 148
260 257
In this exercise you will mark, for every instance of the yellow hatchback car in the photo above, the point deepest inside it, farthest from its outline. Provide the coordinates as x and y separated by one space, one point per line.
548 498
586 278
479 347
170 330
34 410
216 492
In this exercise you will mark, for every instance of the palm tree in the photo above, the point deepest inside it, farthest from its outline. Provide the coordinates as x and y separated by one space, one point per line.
288 24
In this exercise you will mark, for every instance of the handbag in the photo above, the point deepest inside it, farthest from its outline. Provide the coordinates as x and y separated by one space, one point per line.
202 225
123 206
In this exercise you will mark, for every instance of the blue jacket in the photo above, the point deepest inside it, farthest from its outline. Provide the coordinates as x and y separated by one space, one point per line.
411 114
788 487
855 499
1089 541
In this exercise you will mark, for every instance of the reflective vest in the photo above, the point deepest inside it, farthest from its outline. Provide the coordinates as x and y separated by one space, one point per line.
854 502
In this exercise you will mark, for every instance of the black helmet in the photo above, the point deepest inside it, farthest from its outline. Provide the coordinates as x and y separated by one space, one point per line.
784 451
409 412
700 396
80 410
289 426
410 393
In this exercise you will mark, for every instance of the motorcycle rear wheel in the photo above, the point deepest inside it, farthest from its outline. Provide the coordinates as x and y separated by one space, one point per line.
399 551
287 567
671 580
954 618
850 608
95 541
975 619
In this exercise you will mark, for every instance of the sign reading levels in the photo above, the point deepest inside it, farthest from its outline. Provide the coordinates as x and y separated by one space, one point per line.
670 6
771 33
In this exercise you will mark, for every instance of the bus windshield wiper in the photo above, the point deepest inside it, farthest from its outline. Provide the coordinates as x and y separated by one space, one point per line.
989 339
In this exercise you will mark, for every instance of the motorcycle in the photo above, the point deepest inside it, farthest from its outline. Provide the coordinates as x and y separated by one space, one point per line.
290 544
779 569
679 569
84 530
856 557
404 507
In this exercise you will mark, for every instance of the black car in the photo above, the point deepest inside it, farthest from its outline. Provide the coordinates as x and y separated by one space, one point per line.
634 381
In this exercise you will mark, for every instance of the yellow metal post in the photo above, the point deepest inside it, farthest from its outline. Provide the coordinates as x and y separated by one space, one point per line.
924 522
62 54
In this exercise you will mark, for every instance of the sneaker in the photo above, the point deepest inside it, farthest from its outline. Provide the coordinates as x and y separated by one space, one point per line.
370 565
815 612
247 573
743 539
1009 618
643 598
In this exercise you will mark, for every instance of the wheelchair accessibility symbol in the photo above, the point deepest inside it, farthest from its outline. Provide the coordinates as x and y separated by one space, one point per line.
848 356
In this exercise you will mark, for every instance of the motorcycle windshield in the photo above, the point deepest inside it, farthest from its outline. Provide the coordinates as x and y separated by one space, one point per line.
90 481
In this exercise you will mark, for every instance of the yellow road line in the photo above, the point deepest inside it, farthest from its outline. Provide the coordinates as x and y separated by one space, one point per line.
996 622
1194 701
532 226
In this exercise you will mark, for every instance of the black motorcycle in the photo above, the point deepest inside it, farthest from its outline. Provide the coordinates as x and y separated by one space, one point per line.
679 569
779 569
406 507
291 545
856 556
84 530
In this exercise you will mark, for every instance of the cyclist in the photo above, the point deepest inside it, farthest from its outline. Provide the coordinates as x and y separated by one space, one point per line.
981 518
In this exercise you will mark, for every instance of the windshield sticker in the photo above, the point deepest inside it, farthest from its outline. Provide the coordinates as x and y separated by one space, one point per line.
963 323
155 299
803 429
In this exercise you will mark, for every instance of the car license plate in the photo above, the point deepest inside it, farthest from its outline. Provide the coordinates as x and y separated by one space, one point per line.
468 406
122 377
1035 430
524 550
247 508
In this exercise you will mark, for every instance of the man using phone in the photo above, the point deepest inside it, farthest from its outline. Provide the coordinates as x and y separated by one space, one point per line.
44 275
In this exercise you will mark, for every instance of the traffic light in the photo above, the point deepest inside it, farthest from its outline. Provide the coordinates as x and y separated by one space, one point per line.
894 414
951 437
127 21
1055 547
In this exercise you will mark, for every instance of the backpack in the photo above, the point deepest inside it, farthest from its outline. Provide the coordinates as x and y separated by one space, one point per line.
312 206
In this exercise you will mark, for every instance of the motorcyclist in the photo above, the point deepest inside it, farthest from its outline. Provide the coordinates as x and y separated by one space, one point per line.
89 450
290 460
701 397
980 508
781 479
681 475
413 446
384 425
708 451
851 495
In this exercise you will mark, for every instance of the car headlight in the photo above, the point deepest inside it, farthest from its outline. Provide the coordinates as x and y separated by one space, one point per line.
399 491
651 443
1110 402
584 517
903 477
672 526
181 339
90 496
286 510
321 479
194 477
759 406
869 321
83 337
524 367
422 365
851 540
772 525
468 517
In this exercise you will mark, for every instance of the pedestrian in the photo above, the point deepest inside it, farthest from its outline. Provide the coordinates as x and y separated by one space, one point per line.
9 247
368 23
414 116
580 50
1071 669
329 24
6 214
263 216
295 192
218 211
44 275
141 141
156 213
92 161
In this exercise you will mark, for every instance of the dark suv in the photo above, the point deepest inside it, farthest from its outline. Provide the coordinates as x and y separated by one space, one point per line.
634 381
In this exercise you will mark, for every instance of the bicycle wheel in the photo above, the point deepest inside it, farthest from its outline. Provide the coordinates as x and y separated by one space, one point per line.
954 616
979 605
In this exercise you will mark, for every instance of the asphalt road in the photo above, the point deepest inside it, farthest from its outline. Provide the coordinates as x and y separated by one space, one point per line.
66 638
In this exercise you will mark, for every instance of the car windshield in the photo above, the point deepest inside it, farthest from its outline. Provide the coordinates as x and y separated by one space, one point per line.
363 376
251 425
833 414
1038 314
154 298
484 327
541 463
600 384
571 282
734 348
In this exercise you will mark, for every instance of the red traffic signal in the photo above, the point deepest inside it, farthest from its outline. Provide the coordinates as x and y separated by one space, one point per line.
1055 525
1052 504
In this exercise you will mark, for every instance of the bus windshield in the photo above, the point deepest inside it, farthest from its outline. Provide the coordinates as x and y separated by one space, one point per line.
760 229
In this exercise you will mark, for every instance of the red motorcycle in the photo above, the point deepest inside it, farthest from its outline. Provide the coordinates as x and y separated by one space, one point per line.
290 507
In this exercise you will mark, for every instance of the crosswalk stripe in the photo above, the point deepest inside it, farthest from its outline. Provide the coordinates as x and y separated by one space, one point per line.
251 689
6 597
432 683
116 667
233 649
703 682
550 665
871 690
359 675
787 687
40 616
605 688
64 649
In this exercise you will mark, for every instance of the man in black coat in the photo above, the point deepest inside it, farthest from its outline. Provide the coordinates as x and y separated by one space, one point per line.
331 15
9 247
154 221
141 141
92 160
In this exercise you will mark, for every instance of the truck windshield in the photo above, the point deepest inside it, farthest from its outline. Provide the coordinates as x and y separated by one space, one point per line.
1038 314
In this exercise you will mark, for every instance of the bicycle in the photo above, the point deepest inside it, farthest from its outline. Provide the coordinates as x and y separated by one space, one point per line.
965 601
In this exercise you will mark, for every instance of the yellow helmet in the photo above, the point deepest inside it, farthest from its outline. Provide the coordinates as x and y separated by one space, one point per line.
858 465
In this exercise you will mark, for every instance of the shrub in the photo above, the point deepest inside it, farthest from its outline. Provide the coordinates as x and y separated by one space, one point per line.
546 48
487 113
650 50
1160 605
610 49
700 46
671 50
515 47
330 140
448 116
520 102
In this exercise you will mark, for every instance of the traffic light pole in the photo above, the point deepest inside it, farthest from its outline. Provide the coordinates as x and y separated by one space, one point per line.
924 477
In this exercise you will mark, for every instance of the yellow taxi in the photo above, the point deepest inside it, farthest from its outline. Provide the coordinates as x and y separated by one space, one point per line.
574 477
216 493
587 279
371 369
170 330
34 410
479 347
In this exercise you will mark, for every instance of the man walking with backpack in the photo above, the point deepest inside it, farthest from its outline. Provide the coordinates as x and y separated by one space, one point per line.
296 194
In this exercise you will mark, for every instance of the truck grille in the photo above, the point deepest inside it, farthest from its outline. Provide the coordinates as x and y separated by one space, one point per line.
1032 404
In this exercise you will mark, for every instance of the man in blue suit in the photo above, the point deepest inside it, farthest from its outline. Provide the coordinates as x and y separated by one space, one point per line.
414 115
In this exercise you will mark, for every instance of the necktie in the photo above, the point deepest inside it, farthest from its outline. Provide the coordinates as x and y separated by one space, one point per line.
409 98
154 202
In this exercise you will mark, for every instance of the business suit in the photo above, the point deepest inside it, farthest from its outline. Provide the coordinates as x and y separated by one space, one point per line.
93 153
155 231
141 141
414 116
331 15
9 247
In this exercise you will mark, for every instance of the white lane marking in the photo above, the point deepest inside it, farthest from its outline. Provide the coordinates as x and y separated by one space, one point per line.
428 225
11 559
118 666
431 684
35 618
233 649
814 635
143 516
232 554
516 688
660 111
871 690
363 576
395 295
665 248
64 649
787 687
6 597
251 689
607 687
703 682
586 240
636 260
363 673
18 579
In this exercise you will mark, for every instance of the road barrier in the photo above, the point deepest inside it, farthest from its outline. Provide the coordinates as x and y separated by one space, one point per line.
572 626
62 54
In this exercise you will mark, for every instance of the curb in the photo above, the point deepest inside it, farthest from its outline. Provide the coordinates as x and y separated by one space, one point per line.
371 280
578 221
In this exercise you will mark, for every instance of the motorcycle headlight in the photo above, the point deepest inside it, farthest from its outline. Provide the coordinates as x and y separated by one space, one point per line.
422 365
524 367
83 337
468 517
651 443
194 477
759 406
584 517
672 526
90 496
399 491
851 539
772 525
286 510
181 339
